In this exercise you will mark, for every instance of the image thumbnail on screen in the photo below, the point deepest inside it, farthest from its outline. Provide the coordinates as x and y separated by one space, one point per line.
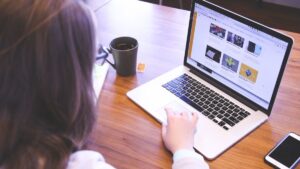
213 54
230 63
235 39
216 30
254 48
248 73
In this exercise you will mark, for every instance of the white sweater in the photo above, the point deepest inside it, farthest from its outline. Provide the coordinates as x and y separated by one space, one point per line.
86 159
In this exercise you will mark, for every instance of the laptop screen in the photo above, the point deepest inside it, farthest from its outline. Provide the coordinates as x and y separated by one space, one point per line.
236 53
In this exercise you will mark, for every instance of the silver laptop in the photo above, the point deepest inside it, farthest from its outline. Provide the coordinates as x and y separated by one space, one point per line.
231 73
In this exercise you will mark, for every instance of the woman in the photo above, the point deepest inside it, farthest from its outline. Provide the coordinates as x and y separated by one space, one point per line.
47 50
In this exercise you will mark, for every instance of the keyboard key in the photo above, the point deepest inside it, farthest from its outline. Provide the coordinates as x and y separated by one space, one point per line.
177 94
172 84
243 114
226 115
231 107
205 106
173 90
233 119
214 113
234 114
221 123
192 97
217 108
211 116
187 95
224 108
226 128
240 118
226 103
205 113
228 122
220 116
185 99
222 112
200 104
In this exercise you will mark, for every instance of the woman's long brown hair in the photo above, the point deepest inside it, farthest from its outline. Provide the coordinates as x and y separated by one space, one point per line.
47 52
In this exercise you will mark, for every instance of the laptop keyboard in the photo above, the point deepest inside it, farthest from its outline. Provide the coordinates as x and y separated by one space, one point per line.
212 105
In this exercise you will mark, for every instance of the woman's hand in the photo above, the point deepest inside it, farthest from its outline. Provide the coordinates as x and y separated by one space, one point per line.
179 132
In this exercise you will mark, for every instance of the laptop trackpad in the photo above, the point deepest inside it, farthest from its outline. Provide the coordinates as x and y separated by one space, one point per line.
174 106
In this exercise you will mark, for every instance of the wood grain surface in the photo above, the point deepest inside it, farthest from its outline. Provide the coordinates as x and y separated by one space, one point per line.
128 137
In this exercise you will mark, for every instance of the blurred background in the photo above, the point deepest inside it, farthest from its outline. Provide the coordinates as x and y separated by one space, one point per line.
279 14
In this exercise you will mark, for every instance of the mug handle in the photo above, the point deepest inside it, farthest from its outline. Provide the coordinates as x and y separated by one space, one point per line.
103 53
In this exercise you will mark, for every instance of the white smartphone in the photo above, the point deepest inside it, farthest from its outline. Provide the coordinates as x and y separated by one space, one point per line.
286 154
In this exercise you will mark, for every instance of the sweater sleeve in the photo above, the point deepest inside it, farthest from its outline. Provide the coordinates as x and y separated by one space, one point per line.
187 159
87 159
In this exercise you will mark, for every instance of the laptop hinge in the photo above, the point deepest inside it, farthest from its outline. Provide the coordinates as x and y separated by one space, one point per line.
226 90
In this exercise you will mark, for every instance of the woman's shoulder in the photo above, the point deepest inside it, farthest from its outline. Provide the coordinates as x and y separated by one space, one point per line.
87 159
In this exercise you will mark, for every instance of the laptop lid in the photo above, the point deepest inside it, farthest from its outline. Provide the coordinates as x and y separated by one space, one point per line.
241 57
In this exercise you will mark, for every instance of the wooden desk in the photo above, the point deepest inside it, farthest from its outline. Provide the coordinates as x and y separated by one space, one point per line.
130 138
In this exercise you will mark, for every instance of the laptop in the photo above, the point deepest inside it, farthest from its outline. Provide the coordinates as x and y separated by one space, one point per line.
231 73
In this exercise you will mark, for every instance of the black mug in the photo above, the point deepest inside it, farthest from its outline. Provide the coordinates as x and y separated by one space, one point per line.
124 51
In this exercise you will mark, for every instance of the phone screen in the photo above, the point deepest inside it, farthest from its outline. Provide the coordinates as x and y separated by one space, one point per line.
287 152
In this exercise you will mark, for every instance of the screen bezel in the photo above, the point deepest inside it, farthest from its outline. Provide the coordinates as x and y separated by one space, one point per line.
255 25
275 162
